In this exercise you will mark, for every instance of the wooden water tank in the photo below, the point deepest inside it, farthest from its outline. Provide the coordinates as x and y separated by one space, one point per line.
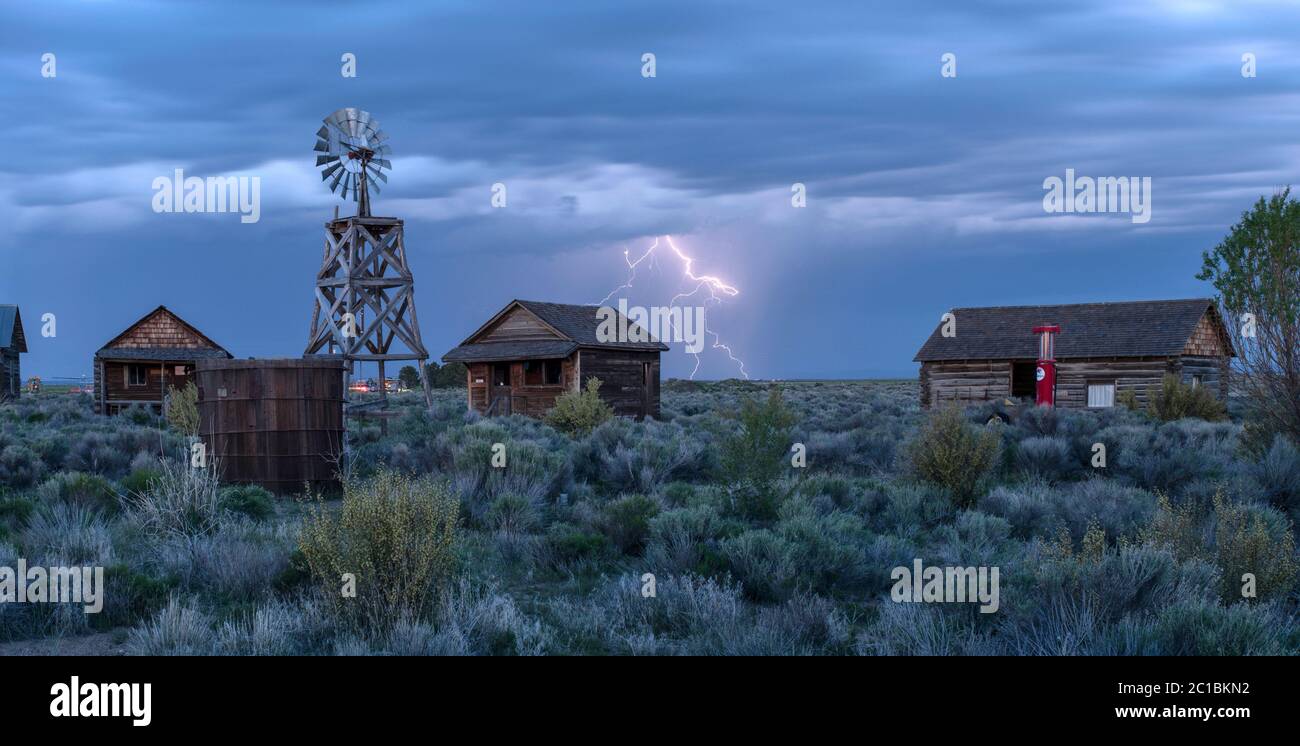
277 423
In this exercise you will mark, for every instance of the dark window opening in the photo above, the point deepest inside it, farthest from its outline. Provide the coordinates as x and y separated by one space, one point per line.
501 374
1024 381
553 370
137 375
533 373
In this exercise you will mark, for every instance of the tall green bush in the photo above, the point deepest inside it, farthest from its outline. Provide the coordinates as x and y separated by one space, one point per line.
579 412
1176 400
394 536
950 452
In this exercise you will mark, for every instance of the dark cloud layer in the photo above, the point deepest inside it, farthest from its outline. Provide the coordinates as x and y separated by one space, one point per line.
924 192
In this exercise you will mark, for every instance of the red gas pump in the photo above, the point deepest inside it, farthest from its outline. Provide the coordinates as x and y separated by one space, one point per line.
1046 373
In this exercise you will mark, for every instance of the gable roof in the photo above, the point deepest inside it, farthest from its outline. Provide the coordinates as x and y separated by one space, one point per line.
205 347
11 329
573 325
1131 329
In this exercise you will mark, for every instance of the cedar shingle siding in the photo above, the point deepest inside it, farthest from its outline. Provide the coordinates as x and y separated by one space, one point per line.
155 354
1131 345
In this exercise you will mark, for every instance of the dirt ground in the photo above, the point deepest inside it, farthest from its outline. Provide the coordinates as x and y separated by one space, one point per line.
100 643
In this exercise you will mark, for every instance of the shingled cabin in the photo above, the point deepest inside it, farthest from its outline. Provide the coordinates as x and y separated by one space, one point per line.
153 355
12 344
530 352
1102 350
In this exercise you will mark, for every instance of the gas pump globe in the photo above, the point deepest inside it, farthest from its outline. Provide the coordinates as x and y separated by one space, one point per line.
1046 372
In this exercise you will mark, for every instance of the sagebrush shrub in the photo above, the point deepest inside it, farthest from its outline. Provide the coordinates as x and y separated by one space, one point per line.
19 466
626 521
758 452
1278 471
1250 541
579 412
395 536
89 490
1175 400
950 452
249 500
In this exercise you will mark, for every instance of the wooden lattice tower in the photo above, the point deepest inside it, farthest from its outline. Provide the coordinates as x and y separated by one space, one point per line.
365 294
365 298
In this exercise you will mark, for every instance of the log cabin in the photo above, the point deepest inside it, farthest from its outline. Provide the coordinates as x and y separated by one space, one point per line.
1102 350
530 352
155 354
12 344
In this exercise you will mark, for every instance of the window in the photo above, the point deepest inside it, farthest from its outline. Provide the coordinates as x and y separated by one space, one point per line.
137 375
533 373
553 371
542 373
1196 381
1101 394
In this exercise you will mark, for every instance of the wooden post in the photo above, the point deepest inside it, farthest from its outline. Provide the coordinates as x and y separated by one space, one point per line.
383 396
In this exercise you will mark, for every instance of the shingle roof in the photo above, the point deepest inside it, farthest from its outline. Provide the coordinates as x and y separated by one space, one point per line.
1132 329
579 323
161 353
479 353
8 323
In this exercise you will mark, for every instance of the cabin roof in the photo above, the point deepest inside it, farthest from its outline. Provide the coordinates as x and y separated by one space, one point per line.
574 326
161 353
1088 330
495 351
208 349
11 328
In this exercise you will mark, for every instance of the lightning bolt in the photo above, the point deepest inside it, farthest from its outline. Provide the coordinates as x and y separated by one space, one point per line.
716 290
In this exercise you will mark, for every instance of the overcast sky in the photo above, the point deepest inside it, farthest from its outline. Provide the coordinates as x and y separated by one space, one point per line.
924 192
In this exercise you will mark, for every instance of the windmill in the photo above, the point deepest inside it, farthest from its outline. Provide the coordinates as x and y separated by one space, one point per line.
365 293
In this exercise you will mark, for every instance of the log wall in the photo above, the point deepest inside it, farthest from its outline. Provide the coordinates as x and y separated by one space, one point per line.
114 392
964 381
621 373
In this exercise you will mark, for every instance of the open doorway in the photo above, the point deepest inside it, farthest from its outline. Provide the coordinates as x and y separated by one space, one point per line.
499 396
1024 379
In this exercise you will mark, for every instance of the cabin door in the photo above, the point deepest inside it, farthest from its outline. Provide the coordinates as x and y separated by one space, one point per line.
500 394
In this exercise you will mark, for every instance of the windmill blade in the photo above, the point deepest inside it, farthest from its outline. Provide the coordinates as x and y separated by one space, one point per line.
347 182
378 173
383 150
382 163
322 146
323 133
338 177
321 160
327 172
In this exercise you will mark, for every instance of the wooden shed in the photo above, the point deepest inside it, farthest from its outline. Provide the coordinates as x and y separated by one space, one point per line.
12 344
530 352
1102 350
153 355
